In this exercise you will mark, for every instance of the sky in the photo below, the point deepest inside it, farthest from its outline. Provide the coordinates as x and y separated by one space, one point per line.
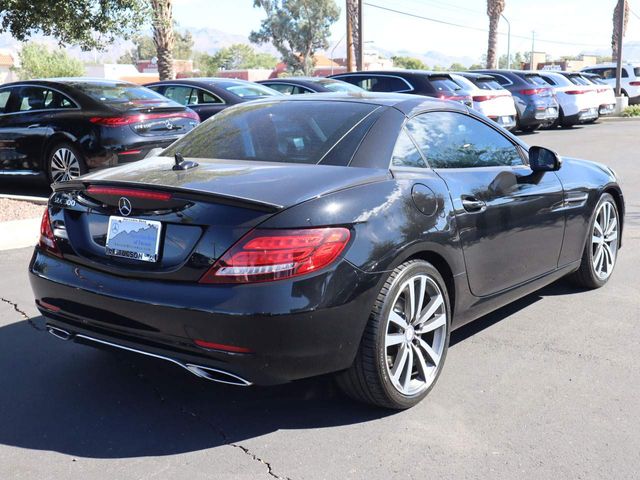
562 27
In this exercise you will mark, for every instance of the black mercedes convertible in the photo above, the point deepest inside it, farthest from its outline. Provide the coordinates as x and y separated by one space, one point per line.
333 233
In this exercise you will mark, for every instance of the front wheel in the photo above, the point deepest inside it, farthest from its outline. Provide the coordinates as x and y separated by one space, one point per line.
405 342
64 163
601 251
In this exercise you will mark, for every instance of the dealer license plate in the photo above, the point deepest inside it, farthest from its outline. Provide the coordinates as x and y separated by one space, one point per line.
133 238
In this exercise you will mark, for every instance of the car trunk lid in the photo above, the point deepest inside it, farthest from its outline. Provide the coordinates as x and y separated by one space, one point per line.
200 212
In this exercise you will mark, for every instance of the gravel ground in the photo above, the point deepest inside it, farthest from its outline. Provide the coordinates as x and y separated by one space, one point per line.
18 210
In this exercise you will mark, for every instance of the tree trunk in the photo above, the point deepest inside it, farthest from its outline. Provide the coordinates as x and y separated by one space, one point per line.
493 41
163 37
618 36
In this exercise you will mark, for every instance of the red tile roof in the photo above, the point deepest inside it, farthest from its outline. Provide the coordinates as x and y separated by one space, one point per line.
6 60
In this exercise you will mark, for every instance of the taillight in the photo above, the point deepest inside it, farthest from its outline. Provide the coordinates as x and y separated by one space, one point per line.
533 91
635 83
267 255
575 92
47 239
140 118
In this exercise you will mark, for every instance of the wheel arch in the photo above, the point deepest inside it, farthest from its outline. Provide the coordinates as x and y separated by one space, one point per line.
616 193
443 267
56 139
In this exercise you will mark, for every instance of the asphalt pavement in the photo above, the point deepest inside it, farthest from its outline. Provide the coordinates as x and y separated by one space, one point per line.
545 388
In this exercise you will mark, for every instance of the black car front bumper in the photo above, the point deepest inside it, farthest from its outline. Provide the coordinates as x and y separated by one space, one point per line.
293 328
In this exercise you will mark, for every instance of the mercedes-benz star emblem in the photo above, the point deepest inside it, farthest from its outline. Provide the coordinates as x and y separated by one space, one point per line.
124 205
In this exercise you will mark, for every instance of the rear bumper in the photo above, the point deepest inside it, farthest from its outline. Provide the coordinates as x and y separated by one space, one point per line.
293 328
582 116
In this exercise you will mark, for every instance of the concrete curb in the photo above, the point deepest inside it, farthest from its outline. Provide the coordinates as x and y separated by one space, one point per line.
26 198
19 233
619 119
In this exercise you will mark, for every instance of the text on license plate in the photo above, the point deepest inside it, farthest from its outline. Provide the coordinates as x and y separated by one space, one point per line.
133 238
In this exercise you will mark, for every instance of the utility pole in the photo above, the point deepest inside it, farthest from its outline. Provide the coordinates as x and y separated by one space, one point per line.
619 53
360 53
508 43
533 42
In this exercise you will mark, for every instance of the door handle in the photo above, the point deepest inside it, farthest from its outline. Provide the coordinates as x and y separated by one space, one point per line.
472 204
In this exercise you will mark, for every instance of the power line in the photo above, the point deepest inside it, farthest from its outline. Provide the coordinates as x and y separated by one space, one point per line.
469 27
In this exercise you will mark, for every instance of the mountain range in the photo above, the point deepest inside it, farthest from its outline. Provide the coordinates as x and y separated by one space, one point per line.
210 40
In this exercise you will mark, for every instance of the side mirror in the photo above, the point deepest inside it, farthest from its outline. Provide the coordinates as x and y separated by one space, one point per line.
544 160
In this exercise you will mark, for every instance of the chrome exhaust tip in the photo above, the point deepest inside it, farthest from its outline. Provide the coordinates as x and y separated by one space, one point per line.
59 333
215 375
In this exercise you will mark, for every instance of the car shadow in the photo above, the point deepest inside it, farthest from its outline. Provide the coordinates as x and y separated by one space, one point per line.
63 397
27 186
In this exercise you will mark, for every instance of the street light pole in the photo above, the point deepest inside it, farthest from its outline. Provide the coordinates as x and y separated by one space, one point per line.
533 41
619 52
508 43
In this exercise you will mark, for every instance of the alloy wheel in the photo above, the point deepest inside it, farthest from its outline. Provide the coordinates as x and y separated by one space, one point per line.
416 335
604 243
64 165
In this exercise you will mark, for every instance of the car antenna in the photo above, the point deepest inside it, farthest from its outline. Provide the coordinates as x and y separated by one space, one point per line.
181 163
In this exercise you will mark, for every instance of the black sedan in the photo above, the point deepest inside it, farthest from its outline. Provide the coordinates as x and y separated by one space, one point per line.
62 128
299 85
415 82
320 234
208 96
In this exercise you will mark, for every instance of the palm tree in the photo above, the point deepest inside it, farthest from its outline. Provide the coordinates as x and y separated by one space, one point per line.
617 35
494 10
163 37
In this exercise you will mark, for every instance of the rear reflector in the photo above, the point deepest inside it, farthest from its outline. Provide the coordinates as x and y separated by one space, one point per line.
267 255
129 192
635 83
221 346
47 239
140 118
130 152
576 92
47 306
484 98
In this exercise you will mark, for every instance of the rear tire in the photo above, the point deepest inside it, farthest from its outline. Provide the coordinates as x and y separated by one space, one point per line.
405 343
64 162
601 249
529 128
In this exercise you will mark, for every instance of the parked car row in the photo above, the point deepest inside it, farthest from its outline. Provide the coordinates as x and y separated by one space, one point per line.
62 128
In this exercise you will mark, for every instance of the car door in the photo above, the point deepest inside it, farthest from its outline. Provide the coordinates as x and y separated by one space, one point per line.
510 220
24 129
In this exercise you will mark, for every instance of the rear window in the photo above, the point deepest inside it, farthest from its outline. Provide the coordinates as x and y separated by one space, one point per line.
636 71
487 84
295 132
579 80
536 80
337 86
248 90
123 96
444 84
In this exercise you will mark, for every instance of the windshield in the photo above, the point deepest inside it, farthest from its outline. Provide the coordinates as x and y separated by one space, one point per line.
288 131
124 96
338 86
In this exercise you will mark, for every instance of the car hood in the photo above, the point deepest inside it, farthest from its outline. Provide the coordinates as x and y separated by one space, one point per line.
279 185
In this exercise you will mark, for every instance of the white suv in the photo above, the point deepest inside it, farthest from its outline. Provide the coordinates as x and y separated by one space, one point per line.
630 80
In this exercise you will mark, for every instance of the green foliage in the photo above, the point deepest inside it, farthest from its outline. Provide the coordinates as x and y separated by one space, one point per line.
145 49
476 66
409 63
37 61
631 111
457 67
235 57
297 28
87 23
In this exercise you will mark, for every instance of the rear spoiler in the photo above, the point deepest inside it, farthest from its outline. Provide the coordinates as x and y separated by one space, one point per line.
80 185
